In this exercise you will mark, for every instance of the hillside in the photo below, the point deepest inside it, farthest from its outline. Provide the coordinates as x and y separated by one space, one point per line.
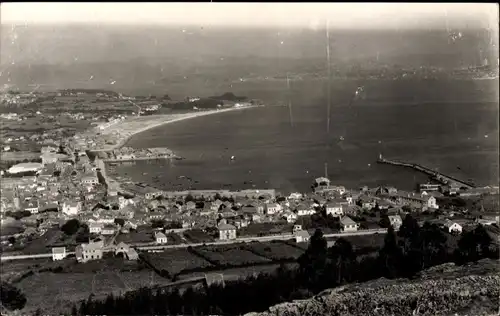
443 290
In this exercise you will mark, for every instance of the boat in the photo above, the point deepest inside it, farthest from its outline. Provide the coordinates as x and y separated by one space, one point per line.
232 157
341 137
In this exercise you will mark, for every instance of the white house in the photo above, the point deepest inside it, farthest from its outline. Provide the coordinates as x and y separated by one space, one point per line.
302 236
290 217
273 208
334 209
71 208
160 238
430 202
452 227
58 253
295 196
395 221
226 231
296 228
95 228
304 210
90 179
348 225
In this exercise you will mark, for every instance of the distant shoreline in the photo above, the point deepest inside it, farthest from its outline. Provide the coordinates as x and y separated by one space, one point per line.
169 121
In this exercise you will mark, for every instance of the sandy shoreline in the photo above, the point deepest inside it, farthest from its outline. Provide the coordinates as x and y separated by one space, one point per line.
169 120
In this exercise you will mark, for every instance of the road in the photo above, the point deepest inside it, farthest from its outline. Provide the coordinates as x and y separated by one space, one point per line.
220 242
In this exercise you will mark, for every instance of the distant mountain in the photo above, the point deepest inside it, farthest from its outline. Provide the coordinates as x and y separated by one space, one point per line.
77 56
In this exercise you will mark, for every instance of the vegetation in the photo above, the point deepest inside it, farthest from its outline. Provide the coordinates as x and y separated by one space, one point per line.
71 227
403 255
11 297
18 214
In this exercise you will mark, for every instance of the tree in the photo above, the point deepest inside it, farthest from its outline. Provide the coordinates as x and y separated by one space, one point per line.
390 255
119 221
189 198
71 227
341 258
432 245
384 221
473 245
11 297
312 263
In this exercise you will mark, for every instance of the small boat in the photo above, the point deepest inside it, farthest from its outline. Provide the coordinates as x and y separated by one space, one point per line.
341 137
232 157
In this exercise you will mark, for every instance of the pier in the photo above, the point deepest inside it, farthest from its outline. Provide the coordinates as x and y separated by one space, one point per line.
435 175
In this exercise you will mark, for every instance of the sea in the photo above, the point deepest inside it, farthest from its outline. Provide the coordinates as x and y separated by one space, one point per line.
447 125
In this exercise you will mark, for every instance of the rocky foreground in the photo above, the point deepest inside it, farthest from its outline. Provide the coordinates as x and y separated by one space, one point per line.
443 290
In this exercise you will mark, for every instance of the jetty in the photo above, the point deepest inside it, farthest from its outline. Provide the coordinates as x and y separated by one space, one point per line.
435 175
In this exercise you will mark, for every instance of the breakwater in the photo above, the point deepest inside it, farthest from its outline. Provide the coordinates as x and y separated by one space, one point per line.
435 175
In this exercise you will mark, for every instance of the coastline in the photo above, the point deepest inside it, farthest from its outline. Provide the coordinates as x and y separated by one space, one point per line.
169 120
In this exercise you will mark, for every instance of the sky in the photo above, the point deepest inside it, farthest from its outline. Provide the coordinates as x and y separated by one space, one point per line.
342 15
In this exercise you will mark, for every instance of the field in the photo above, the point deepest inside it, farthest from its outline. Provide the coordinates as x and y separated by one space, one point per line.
230 255
16 156
264 229
176 261
275 251
197 236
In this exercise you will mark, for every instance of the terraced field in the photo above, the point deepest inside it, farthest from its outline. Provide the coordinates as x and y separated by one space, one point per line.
175 261
234 255
275 251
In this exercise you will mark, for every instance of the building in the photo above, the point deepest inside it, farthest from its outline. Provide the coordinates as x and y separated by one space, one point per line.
126 251
367 202
160 238
452 227
302 236
71 208
272 208
90 251
430 202
31 206
108 230
334 208
58 253
395 221
295 196
304 210
90 179
348 225
95 227
25 167
290 217
226 231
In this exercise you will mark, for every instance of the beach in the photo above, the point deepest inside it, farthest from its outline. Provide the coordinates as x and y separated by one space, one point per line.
134 126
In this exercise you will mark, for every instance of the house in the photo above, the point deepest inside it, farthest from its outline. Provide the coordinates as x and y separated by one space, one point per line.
302 236
430 202
160 238
290 217
304 210
95 227
367 202
108 230
90 251
334 208
226 231
58 253
215 205
395 221
71 208
296 228
126 251
383 190
295 196
190 205
90 179
272 208
30 206
348 225
452 227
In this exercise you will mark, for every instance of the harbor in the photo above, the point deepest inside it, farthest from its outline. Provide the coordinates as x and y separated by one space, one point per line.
435 175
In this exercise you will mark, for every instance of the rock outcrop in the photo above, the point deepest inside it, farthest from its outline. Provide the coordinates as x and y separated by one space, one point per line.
443 290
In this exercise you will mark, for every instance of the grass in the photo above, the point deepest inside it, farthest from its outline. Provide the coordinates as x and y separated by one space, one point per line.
231 255
197 236
275 251
263 229
175 261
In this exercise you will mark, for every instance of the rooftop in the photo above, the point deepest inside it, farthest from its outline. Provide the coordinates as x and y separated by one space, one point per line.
346 220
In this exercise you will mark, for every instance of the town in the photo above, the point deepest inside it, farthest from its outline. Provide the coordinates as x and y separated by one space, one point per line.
61 211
